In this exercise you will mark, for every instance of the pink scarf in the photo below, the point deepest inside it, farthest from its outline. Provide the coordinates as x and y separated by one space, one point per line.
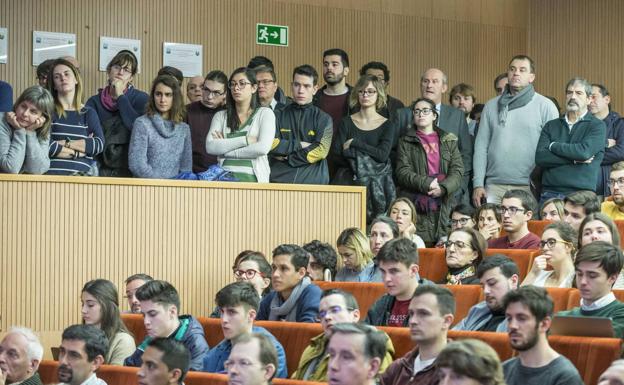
107 99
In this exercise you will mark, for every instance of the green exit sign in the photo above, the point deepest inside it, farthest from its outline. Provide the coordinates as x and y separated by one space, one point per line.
269 34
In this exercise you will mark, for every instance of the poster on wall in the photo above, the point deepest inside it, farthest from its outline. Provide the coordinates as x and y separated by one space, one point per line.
52 45
4 45
188 58
109 46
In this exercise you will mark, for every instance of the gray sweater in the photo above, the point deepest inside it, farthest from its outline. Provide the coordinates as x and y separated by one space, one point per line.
505 154
21 151
158 148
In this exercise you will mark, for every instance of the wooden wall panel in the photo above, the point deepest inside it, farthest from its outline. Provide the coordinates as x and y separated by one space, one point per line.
569 38
472 40
57 235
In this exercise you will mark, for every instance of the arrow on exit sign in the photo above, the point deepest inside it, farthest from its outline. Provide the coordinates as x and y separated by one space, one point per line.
269 34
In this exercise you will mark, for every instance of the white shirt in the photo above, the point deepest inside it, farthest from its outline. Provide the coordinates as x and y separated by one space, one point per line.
93 380
598 304
570 124
420 365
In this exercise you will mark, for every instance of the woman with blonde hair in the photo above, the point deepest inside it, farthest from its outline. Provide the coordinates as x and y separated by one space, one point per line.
469 362
356 258
552 210
403 212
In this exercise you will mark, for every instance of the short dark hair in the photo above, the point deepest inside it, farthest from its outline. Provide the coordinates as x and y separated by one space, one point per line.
307 70
175 355
324 254
217 76
445 298
349 298
140 276
298 256
528 200
96 343
606 220
376 65
159 291
374 340
268 70
506 265
124 57
430 102
339 52
476 109
488 206
498 79
400 250
464 90
44 68
464 209
238 293
525 57
535 298
609 256
258 61
388 221
588 199
172 71
268 353
263 265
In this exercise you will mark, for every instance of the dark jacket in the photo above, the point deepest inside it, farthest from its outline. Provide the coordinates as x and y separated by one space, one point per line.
379 312
412 175
190 333
296 124
561 153
307 305
615 130
401 372
316 99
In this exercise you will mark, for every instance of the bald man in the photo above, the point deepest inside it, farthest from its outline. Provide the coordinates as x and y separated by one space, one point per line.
194 89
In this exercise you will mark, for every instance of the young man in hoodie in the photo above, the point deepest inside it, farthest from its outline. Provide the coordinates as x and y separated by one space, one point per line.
160 305
294 297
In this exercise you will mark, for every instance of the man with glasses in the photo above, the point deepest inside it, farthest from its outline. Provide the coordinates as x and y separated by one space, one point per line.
498 275
199 117
267 86
263 61
336 306
253 360
516 211
303 136
571 148
615 207
238 305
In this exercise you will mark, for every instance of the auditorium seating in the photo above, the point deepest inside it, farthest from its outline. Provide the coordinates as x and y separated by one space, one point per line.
466 296
537 227
559 296
365 294
574 298
134 324
620 226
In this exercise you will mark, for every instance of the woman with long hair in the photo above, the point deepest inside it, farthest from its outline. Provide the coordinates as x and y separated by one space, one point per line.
403 212
489 221
100 307
25 133
241 136
552 210
355 262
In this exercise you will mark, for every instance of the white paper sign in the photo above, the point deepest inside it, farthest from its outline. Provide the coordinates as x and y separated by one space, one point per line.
188 58
109 46
4 45
52 45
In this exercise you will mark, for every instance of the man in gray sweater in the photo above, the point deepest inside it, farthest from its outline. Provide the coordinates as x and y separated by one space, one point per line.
510 127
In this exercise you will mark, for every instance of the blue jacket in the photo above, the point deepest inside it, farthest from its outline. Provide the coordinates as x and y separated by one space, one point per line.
6 97
192 336
478 316
216 357
307 305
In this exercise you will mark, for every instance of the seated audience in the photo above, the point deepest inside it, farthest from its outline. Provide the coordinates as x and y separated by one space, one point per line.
81 354
552 210
382 230
431 312
578 205
516 210
160 305
238 304
465 249
133 282
529 312
294 297
21 353
498 275
489 221
165 362
355 353
458 364
76 136
356 258
160 145
614 375
462 215
599 227
253 360
614 208
242 134
194 89
554 267
597 268
25 133
43 71
336 306
253 267
322 261
6 96
398 263
118 104
403 212
100 308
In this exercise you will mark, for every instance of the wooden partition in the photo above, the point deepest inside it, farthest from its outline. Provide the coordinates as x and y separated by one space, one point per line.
59 232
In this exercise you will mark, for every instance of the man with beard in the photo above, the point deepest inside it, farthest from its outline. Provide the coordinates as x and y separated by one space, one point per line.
463 98
571 148
20 355
82 351
615 208
529 315
498 275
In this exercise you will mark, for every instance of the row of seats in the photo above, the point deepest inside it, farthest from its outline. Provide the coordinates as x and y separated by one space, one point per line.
537 227
590 355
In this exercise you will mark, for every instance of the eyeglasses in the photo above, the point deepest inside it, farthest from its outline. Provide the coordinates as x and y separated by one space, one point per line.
461 221
511 210
332 310
242 364
619 181
423 112
457 244
551 242
212 93
265 83
119 68
248 274
241 84
367 92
